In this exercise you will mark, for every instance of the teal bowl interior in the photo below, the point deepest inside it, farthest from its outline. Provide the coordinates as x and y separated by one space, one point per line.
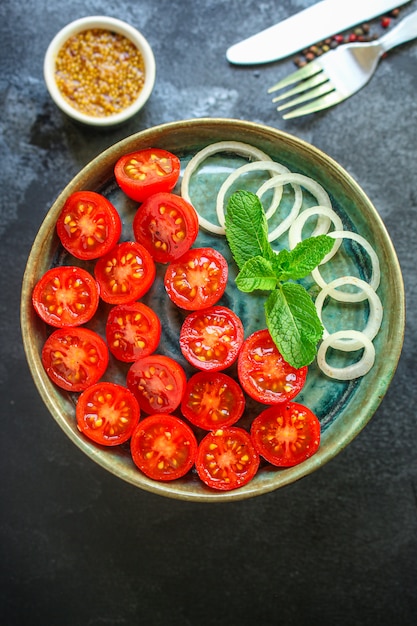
343 408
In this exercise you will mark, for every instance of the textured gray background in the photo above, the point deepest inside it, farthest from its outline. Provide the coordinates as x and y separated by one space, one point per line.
78 546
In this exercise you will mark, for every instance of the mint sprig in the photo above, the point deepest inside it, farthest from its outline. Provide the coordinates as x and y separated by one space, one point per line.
291 316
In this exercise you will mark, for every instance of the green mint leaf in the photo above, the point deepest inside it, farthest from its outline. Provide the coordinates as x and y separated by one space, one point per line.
302 260
257 273
281 264
293 323
290 313
246 228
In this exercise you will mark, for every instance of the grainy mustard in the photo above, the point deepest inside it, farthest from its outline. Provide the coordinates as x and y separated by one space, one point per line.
99 72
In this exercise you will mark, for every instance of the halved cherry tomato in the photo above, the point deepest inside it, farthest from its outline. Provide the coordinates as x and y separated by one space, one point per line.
132 331
145 172
264 374
158 383
210 339
226 458
163 447
66 296
197 280
125 273
286 434
89 225
75 358
212 400
107 413
167 225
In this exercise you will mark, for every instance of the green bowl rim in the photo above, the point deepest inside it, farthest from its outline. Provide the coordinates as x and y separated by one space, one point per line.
45 387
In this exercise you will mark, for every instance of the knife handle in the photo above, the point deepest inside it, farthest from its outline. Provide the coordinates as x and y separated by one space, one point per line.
404 31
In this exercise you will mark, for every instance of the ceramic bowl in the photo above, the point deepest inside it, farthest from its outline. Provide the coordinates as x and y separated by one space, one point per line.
113 25
343 407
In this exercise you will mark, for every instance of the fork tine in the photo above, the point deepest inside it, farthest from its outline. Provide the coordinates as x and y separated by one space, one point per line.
321 90
326 101
304 72
314 81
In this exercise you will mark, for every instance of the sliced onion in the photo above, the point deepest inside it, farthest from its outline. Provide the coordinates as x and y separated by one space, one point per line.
270 166
345 296
295 232
235 147
311 185
351 338
375 310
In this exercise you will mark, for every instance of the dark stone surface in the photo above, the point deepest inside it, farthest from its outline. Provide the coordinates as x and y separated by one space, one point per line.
80 547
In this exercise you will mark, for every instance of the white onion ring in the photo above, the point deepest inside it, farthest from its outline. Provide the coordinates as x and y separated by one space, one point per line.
311 185
355 370
235 147
295 232
376 272
270 166
345 340
375 310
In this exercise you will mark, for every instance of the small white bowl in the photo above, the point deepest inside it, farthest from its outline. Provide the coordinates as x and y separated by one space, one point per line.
114 25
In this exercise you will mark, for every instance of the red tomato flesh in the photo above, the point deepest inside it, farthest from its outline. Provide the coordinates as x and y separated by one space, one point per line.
210 339
166 225
286 434
125 273
163 447
158 383
75 358
89 225
145 172
132 331
226 459
198 279
264 374
107 413
212 400
66 296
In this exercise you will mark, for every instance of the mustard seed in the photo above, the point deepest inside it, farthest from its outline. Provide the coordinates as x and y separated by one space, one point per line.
99 72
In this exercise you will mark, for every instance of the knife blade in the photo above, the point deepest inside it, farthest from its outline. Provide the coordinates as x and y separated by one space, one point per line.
321 20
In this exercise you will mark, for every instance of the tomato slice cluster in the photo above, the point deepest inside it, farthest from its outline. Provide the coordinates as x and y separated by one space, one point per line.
107 413
170 423
125 273
210 339
264 374
166 225
212 400
75 358
146 172
198 279
286 434
66 296
227 458
163 447
89 225
132 331
158 382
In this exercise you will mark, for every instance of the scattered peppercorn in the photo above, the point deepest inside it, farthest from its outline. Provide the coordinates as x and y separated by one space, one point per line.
99 72
361 33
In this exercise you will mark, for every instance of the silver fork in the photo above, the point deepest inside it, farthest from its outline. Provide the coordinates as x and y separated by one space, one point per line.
340 73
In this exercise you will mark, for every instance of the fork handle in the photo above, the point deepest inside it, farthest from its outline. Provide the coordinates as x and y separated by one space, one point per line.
404 31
